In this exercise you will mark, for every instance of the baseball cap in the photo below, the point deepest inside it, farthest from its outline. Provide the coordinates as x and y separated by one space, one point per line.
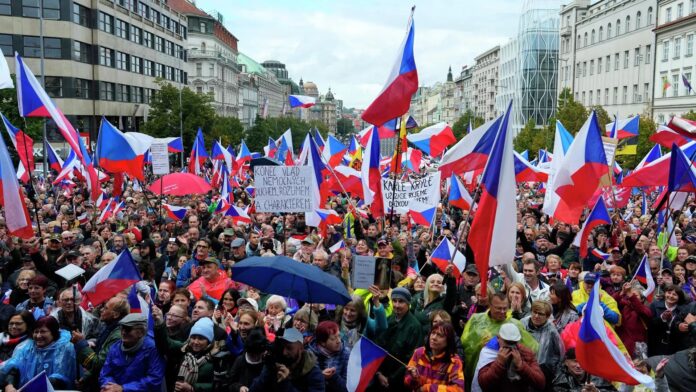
690 259
510 332
134 320
589 278
249 301
471 269
228 232
237 243
307 240
210 260
292 335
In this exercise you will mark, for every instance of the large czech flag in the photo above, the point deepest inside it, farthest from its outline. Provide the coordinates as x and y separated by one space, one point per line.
11 197
434 139
470 153
597 354
561 143
111 279
458 195
682 174
656 173
579 174
446 253
120 152
598 216
395 98
492 235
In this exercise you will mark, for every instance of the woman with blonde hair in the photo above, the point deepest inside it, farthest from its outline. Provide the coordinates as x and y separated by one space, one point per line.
439 293
517 295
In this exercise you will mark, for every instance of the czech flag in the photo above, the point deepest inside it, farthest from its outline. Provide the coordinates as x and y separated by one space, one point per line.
316 136
434 139
458 195
472 151
422 214
34 102
314 161
666 137
411 160
285 149
174 212
599 254
525 172
334 151
562 141
175 145
346 179
656 173
301 101
682 174
371 177
12 199
363 362
598 216
623 129
244 154
644 276
54 161
337 246
395 98
111 279
238 214
24 146
579 175
683 126
40 383
221 153
442 255
271 149
492 236
597 354
652 155
120 152
330 217
198 154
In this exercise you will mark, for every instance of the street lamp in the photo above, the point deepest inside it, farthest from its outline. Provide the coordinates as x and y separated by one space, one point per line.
182 53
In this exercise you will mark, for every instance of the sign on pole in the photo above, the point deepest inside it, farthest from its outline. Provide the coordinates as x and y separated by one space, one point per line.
425 190
160 158
283 189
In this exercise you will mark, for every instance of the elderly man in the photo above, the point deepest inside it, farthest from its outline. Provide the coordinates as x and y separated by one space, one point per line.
213 281
190 271
133 364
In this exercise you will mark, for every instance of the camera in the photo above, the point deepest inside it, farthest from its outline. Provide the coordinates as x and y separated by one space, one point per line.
267 245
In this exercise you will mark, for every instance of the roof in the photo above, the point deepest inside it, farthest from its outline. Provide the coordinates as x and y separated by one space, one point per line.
186 7
251 65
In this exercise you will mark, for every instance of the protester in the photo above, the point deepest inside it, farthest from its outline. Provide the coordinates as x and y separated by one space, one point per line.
19 328
436 364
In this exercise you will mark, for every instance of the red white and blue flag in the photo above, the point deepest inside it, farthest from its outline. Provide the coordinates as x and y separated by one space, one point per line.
652 155
597 217
580 173
329 217
17 217
363 362
525 172
271 149
24 146
175 212
120 152
434 139
596 252
597 354
301 101
371 176
470 153
442 255
644 276
624 128
238 214
422 214
337 246
665 137
314 218
54 161
682 174
402 82
458 195
492 237
334 151
198 154
656 173
244 154
285 149
111 279
561 143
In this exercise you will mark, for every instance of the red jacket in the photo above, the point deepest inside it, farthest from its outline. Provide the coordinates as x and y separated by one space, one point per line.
635 317
493 377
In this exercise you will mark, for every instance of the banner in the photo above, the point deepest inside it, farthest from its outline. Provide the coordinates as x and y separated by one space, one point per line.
283 188
425 190
160 158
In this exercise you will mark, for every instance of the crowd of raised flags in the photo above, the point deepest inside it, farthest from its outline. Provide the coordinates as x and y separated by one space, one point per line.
620 222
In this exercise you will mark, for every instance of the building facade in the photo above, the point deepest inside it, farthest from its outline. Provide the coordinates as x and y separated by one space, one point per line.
270 94
485 80
325 109
508 82
607 54
674 59
101 57
212 58
463 91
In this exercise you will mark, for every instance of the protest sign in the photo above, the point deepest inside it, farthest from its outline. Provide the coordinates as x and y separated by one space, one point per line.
425 190
363 275
160 158
284 188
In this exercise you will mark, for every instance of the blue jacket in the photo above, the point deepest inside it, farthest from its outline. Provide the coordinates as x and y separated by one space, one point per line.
140 372
338 361
184 276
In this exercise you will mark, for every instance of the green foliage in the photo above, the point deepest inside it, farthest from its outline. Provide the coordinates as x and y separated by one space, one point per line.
460 126
9 108
646 128
344 128
570 112
690 116
602 116
533 139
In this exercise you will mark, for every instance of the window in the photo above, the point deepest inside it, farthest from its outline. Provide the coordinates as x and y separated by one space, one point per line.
628 24
135 34
687 76
616 62
5 7
80 15
147 67
668 15
82 88
51 9
584 40
147 95
599 65
680 10
677 47
646 92
626 59
663 80
203 27
211 91
578 41
618 28
609 31
648 53
636 57
624 97
675 85
636 96
154 16
199 90
591 95
599 97
592 39
615 96
650 15
158 70
121 29
159 43
199 69
591 67
144 10
147 39
638 15
121 61
30 8
665 50
32 46
601 33
137 94
81 52
692 6
168 48
106 91
136 64
689 45
53 86
6 44
578 70
661 119
123 93
211 70
168 73
606 96
106 22
106 57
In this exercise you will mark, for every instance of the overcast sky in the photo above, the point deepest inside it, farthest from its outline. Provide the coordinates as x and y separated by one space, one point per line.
351 45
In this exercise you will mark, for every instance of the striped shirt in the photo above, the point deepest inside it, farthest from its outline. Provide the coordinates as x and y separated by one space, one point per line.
435 374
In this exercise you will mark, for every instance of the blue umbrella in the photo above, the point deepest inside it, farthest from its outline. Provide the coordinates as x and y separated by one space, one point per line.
290 278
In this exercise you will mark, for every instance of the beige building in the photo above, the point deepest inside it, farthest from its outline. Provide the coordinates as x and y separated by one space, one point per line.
101 57
463 94
485 82
325 109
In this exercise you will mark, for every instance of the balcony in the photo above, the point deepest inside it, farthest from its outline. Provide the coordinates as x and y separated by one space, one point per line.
566 31
213 55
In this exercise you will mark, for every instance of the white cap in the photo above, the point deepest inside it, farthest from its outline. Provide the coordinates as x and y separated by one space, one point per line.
249 301
510 332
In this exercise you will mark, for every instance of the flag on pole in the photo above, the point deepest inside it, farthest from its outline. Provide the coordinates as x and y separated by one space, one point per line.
24 145
665 84
644 276
687 84
363 362
442 255
111 279
371 178
17 217
598 216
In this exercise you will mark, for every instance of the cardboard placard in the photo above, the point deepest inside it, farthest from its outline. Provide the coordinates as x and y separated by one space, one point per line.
425 190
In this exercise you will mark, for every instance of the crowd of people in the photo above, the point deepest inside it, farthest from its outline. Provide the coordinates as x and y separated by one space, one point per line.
442 331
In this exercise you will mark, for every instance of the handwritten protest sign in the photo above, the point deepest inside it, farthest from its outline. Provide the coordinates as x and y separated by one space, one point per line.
425 190
283 188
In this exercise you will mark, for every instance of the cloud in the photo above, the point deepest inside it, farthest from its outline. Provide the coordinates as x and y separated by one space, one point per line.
350 46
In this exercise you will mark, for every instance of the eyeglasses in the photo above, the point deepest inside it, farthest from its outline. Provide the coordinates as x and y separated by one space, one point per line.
202 246
16 324
174 315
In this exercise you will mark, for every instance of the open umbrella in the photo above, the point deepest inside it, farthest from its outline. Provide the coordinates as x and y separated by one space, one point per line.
179 184
290 278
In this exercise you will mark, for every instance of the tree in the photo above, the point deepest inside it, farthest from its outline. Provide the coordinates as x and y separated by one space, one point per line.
602 117
534 139
228 129
163 119
10 109
691 115
344 128
570 112
273 127
460 126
